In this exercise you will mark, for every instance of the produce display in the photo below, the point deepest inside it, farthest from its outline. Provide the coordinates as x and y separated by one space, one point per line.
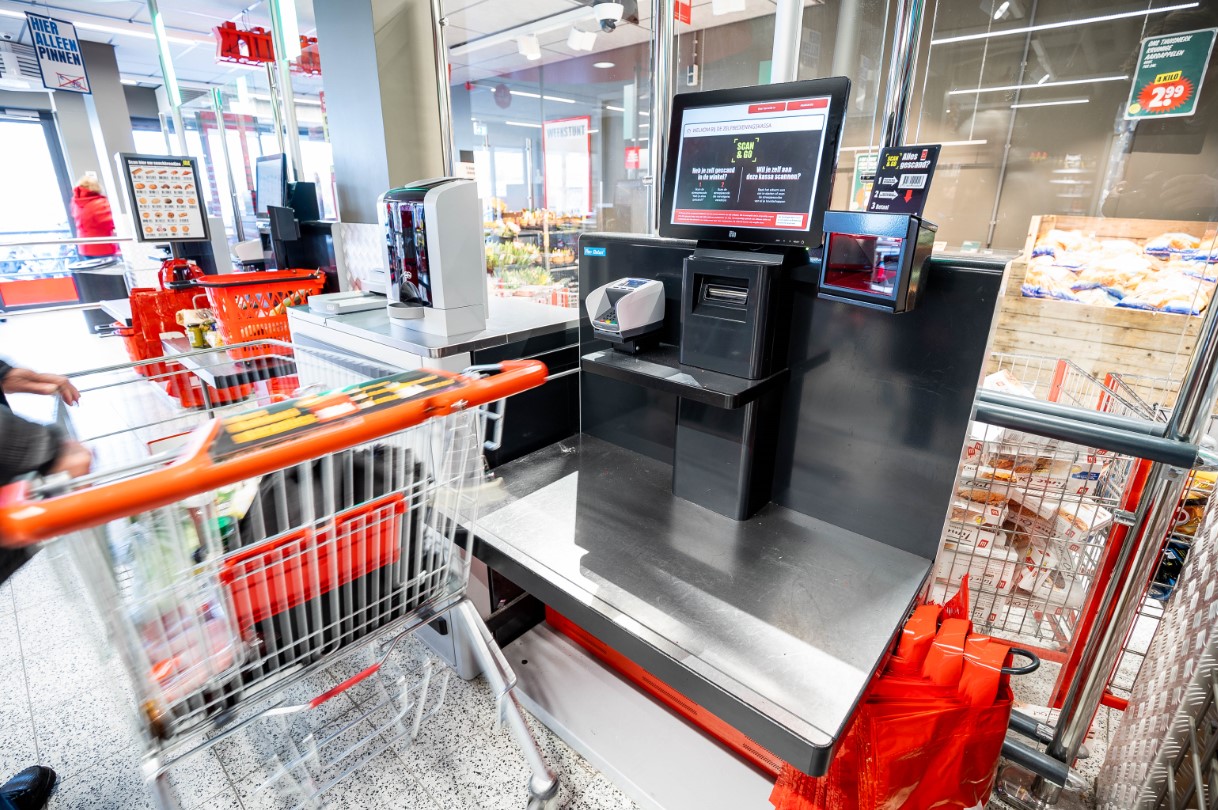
1172 272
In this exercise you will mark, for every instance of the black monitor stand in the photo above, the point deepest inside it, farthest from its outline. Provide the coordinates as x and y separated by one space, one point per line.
284 228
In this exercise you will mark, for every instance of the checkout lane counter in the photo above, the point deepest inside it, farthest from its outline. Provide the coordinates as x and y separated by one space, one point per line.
759 602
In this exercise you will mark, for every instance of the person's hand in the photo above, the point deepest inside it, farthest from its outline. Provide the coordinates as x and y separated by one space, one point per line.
24 381
74 458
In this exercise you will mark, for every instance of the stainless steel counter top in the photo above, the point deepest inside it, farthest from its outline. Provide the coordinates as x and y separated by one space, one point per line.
774 624
508 321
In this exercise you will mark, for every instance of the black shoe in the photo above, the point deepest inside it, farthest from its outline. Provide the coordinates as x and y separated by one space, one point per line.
30 789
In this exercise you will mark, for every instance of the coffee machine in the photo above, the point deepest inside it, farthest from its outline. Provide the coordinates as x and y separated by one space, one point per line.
433 249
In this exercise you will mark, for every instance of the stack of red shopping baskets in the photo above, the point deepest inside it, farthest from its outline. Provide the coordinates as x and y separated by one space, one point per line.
248 307
254 306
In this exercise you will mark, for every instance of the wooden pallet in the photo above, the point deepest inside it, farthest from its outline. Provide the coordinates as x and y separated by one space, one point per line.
1099 339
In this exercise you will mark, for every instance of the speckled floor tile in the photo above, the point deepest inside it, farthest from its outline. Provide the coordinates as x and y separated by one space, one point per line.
602 795
73 734
383 782
111 783
17 748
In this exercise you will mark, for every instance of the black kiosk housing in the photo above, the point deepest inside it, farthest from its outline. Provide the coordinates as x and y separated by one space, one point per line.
754 221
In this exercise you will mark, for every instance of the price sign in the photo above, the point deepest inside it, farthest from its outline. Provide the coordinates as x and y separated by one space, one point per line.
1169 75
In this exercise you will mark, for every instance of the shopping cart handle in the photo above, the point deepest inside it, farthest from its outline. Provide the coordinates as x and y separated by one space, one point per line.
1027 669
218 454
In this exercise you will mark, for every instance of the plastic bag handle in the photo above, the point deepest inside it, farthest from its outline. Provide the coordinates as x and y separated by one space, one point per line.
25 522
1028 668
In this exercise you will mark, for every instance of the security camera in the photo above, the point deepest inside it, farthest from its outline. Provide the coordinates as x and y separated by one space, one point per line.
608 13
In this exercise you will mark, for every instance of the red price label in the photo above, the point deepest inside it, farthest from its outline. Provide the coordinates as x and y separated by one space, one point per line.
1163 97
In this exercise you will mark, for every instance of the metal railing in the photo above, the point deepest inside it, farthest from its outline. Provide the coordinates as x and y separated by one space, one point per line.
1173 447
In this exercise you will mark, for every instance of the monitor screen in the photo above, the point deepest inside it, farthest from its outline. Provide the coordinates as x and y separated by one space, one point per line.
753 164
270 183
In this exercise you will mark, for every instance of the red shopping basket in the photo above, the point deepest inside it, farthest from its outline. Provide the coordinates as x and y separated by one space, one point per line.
254 306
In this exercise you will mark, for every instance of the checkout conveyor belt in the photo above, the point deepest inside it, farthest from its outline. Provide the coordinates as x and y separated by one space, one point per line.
725 612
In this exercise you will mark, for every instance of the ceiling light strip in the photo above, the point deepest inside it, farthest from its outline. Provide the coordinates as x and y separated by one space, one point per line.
1013 87
1006 32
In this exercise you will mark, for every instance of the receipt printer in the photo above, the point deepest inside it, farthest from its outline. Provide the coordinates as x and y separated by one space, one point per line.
627 312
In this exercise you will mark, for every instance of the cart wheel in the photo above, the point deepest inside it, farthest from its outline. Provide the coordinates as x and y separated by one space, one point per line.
546 800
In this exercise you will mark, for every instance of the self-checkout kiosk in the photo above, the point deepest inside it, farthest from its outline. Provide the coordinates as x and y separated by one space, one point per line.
756 272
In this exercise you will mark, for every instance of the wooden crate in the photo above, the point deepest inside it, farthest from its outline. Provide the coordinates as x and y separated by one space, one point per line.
1099 339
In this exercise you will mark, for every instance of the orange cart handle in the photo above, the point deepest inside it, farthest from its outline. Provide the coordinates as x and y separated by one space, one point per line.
24 522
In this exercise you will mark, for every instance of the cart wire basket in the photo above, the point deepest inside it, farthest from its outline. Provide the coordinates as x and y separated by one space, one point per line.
241 554
1032 517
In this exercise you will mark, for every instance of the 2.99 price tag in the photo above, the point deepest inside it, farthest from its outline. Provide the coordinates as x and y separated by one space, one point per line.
1166 96
1169 75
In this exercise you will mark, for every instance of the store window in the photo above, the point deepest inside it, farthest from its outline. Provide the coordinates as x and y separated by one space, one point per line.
1081 138
148 136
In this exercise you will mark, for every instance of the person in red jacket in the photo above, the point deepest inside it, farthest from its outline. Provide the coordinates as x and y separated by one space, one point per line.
91 211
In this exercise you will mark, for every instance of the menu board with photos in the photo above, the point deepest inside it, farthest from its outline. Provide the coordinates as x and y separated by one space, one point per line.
166 197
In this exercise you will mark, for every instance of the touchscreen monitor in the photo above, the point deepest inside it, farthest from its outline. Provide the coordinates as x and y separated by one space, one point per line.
270 183
753 165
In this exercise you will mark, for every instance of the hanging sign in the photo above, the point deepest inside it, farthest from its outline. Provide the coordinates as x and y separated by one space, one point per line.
566 146
59 56
902 179
1169 74
683 10
632 157
256 46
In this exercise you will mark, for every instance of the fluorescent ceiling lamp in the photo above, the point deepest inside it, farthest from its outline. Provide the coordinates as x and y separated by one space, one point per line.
978 142
579 40
615 108
602 65
644 125
130 29
527 94
1006 32
719 7
529 47
1051 103
522 124
1047 76
131 82
289 28
1042 83
1002 9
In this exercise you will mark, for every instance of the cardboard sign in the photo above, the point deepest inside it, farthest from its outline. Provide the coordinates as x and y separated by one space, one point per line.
1169 74
864 179
59 56
902 179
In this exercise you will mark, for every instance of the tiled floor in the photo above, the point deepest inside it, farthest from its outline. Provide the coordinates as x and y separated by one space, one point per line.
69 705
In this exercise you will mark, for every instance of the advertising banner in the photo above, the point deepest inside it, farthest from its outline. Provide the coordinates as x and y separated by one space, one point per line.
566 146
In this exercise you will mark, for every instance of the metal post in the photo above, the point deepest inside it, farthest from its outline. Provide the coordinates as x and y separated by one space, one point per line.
172 91
273 89
292 134
662 31
443 91
217 105
906 35
788 30
1198 393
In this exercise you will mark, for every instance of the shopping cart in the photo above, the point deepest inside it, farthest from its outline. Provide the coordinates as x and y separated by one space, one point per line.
1032 517
242 554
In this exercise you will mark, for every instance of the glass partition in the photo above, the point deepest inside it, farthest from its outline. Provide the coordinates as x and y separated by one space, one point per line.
554 120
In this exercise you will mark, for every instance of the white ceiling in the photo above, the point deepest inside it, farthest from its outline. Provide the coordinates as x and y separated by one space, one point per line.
125 24
189 23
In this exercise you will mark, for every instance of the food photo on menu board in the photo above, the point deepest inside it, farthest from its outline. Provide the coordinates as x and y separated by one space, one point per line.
165 198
